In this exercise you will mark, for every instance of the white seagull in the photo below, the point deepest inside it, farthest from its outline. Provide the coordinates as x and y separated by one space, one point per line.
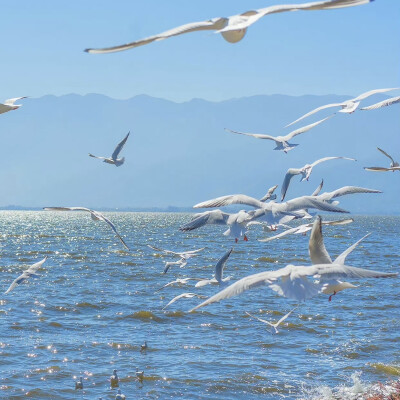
95 215
30 272
232 28
219 269
394 165
293 281
384 103
319 255
282 142
179 281
9 105
184 296
276 324
303 229
183 256
114 157
305 172
269 195
348 106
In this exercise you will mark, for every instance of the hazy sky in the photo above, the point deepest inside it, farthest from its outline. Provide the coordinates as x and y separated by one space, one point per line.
345 51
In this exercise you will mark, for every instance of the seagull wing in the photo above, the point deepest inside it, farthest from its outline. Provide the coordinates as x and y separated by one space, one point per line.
371 92
315 111
291 172
285 316
256 135
230 199
219 268
10 102
386 154
304 202
282 234
342 257
304 129
343 191
268 195
316 246
383 103
111 225
67 209
376 169
318 189
119 147
215 217
260 319
212 24
321 160
184 295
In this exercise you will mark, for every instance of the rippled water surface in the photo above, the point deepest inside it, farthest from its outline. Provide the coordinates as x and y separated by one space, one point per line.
95 304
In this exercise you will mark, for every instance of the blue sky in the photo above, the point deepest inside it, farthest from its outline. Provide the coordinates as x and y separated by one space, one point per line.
344 51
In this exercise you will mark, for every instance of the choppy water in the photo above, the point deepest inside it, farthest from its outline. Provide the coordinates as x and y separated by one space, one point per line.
94 305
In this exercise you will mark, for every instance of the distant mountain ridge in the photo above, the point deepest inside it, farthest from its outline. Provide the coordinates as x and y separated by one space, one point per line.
178 154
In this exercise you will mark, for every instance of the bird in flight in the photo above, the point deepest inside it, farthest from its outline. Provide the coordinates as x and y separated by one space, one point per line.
10 105
232 28
394 165
114 156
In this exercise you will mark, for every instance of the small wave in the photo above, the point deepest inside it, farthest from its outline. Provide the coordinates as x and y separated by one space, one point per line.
87 305
387 369
267 259
142 315
55 324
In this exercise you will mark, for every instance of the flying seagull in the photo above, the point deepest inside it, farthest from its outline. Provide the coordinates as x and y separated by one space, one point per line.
269 195
9 105
384 103
30 272
275 325
96 216
293 281
232 28
394 165
219 269
184 296
282 142
114 157
183 256
305 172
349 106
179 281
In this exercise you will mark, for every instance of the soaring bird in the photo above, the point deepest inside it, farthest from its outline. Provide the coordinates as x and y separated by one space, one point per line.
95 215
30 272
383 103
348 106
276 324
282 142
305 172
114 156
394 165
9 105
232 28
219 270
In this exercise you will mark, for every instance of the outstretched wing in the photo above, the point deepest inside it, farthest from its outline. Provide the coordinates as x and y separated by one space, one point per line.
321 160
215 217
256 135
383 103
342 257
219 268
212 24
316 246
371 92
230 199
291 172
112 226
119 147
386 154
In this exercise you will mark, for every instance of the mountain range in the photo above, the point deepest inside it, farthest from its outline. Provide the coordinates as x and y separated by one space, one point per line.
179 154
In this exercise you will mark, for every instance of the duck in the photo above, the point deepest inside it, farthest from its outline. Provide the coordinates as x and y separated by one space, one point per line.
114 381
79 384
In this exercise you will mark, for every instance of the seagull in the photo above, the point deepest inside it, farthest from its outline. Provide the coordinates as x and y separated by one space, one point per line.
318 255
30 272
120 396
269 195
114 381
384 103
183 256
219 269
394 165
143 347
236 222
293 281
95 215
275 326
185 296
9 105
282 142
232 28
139 374
79 384
303 229
180 281
348 106
273 213
305 172
114 156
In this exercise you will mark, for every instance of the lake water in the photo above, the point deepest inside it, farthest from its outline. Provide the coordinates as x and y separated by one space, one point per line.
94 305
